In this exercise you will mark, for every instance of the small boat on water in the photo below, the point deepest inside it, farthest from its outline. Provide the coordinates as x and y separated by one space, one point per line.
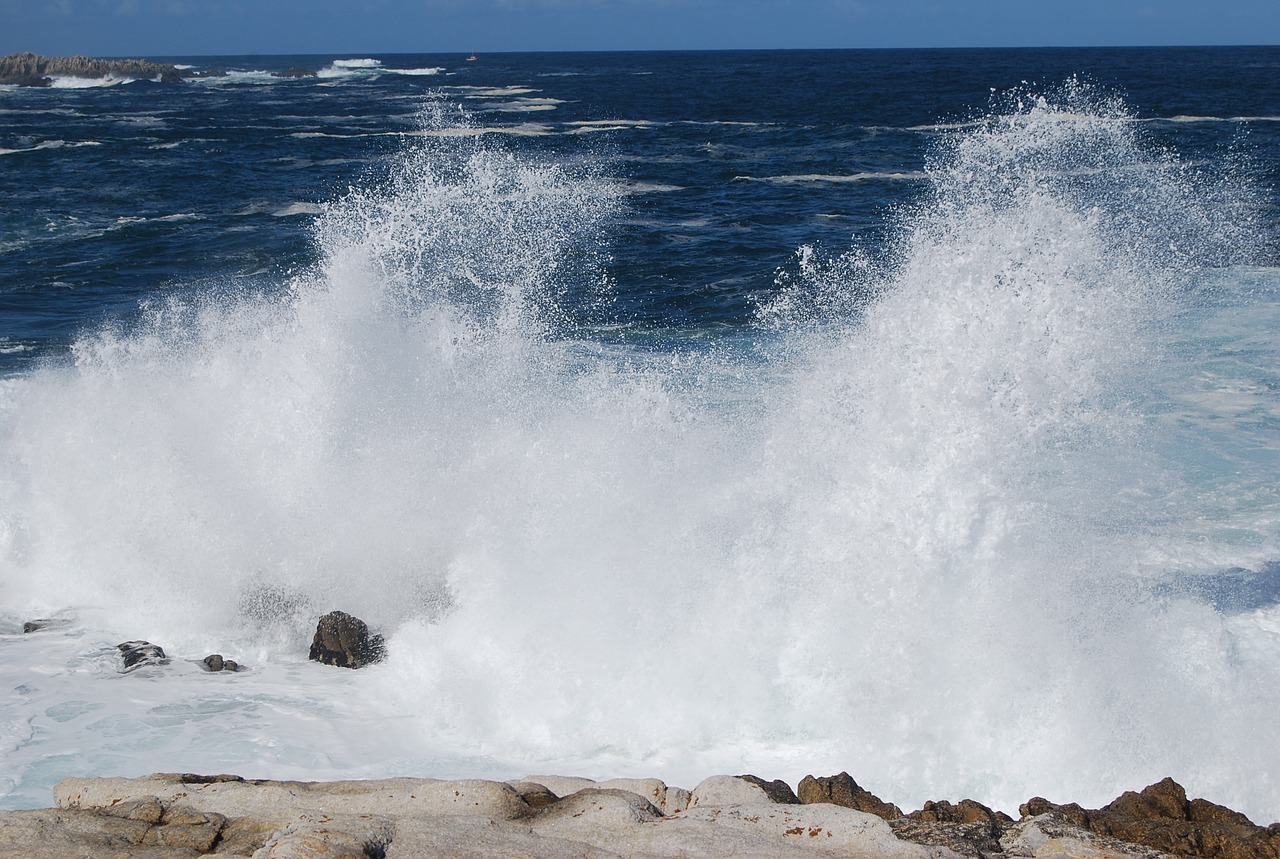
471 59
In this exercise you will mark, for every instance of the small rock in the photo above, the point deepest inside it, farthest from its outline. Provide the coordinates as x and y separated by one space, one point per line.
534 794
45 623
146 808
215 662
135 654
344 640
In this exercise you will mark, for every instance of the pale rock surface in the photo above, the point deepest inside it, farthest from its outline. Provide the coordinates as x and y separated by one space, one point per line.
284 800
1047 836
664 797
785 830
561 785
667 799
481 838
727 790
185 816
327 836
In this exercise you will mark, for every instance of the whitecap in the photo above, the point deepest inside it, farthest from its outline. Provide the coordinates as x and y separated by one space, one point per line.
801 178
72 82
301 208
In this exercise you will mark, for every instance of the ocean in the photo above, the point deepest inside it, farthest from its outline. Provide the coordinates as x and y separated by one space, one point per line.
911 413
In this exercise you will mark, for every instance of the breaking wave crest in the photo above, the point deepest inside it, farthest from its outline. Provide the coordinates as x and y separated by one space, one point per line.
913 530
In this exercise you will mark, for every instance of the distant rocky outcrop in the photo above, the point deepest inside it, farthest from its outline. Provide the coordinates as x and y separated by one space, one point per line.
28 69
343 640
295 72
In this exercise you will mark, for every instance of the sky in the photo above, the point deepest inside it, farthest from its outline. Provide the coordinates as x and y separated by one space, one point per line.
150 28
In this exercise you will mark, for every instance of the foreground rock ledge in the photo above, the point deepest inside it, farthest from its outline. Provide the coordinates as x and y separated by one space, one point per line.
185 815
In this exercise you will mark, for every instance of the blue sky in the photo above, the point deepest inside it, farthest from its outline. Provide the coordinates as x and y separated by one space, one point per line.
177 27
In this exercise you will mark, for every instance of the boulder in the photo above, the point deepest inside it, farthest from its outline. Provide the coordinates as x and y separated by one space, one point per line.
344 641
45 623
215 662
842 790
1160 817
667 799
1050 837
534 795
135 654
725 790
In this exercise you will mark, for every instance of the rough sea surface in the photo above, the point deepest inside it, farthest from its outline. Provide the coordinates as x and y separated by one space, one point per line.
909 413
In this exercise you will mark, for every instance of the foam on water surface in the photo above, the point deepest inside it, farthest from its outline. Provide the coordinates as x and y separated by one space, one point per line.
920 524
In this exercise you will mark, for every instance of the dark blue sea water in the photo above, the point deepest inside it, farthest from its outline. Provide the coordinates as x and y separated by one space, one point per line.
732 160
909 413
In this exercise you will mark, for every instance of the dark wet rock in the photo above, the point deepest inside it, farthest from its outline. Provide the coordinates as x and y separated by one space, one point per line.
534 794
777 790
968 839
28 69
343 640
45 623
215 662
196 778
1070 812
844 791
135 654
965 811
1161 817
967 827
295 72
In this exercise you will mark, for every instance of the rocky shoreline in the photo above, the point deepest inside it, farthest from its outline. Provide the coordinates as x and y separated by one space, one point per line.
167 816
34 70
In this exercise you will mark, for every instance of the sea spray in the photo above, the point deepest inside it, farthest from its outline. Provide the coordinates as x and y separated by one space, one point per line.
909 534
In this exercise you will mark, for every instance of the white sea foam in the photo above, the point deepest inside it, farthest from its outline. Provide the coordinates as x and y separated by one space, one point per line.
298 209
51 144
351 68
519 105
915 530
75 82
431 70
803 178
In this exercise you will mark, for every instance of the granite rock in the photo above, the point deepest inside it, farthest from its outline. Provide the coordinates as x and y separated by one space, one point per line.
343 640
